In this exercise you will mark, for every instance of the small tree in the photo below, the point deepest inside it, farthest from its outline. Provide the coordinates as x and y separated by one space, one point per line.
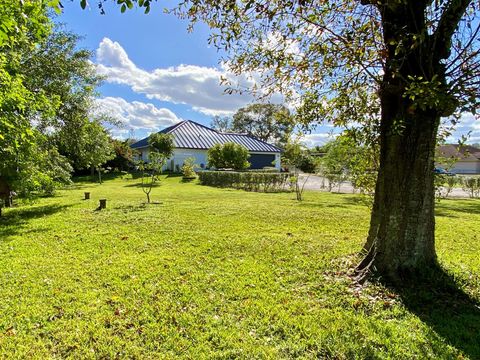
297 158
471 185
123 155
228 156
161 148
98 148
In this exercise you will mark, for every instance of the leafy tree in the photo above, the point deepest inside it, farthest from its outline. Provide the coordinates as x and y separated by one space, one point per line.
267 122
24 25
345 159
47 89
65 72
420 58
123 155
228 156
160 149
98 148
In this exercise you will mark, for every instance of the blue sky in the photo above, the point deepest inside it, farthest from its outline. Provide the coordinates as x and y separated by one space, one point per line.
157 73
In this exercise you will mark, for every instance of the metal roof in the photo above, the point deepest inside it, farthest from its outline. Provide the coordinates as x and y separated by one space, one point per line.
188 134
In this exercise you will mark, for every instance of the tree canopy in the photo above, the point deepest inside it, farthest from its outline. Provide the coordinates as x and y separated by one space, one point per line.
267 122
48 88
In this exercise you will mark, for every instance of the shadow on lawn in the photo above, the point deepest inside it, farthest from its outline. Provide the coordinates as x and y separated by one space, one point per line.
447 309
17 218
139 184
470 206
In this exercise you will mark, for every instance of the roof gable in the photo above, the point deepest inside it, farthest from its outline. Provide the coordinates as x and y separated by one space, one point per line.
189 134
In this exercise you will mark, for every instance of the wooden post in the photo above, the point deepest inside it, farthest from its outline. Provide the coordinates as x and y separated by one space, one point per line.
87 195
103 204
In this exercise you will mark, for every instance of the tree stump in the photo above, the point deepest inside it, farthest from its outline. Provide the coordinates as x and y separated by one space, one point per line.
103 204
87 195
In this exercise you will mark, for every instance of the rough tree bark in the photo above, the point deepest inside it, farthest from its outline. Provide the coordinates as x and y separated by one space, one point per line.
401 239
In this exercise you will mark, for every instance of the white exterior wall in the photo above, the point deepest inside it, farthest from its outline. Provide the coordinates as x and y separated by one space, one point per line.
466 167
179 156
200 156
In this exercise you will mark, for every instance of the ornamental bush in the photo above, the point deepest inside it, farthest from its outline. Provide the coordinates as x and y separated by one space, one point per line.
188 168
249 180
228 156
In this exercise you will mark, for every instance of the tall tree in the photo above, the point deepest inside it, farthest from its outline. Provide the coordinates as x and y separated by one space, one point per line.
421 58
24 25
267 122
221 123
65 73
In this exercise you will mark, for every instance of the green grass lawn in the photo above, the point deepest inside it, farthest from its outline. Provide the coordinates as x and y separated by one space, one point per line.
219 273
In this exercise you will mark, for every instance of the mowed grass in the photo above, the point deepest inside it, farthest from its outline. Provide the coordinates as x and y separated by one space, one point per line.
224 274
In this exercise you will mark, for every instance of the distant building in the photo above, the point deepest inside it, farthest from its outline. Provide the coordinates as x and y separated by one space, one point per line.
465 158
192 139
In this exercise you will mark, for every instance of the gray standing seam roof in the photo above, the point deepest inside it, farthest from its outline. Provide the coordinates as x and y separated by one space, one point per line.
188 134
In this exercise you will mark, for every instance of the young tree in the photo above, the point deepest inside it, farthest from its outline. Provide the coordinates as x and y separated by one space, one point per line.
420 58
160 149
228 156
98 148
297 158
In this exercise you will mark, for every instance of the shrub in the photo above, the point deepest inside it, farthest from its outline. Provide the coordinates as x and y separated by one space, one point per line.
228 156
249 180
308 164
188 168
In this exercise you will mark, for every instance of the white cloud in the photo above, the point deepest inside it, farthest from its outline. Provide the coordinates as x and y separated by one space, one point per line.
136 115
469 126
196 86
312 140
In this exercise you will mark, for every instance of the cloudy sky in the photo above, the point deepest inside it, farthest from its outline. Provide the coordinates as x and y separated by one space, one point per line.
157 73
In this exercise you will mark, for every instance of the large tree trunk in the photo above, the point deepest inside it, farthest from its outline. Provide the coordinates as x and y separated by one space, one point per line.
401 236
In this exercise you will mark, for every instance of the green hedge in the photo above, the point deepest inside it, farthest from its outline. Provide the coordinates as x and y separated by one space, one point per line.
250 181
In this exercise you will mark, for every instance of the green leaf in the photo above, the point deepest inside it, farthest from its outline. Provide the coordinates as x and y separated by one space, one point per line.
83 4
123 8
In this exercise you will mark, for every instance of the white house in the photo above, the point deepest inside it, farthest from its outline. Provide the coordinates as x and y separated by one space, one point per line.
192 139
465 158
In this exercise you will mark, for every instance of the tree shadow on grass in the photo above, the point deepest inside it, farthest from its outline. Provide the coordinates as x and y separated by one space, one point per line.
16 219
139 185
470 206
440 303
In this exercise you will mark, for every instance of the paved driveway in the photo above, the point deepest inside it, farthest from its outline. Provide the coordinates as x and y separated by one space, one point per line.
319 183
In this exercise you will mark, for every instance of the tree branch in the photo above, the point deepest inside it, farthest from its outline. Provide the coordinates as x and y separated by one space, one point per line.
446 27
